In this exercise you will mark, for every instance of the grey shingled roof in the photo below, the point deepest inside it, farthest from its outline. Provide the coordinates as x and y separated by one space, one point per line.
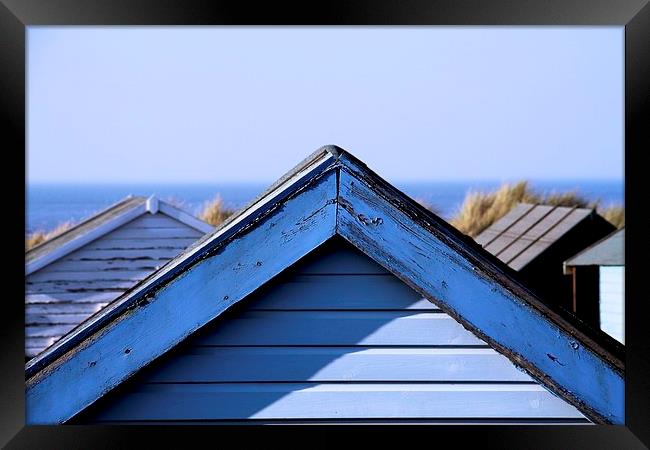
528 230
609 251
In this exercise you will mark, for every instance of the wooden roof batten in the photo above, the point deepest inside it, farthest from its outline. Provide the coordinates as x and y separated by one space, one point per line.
330 193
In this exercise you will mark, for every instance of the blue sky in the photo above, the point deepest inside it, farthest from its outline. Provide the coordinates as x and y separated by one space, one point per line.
224 104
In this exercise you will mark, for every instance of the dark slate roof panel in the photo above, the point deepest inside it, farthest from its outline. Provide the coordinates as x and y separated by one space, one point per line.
524 219
609 251
501 225
527 230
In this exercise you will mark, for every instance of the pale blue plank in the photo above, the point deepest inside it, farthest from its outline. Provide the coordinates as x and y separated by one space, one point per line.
336 401
339 292
394 328
322 364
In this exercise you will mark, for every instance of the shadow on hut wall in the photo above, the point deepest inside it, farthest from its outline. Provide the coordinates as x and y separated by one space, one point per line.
300 330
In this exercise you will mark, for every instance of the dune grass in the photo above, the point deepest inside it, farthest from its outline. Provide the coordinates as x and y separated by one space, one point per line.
479 210
40 236
215 212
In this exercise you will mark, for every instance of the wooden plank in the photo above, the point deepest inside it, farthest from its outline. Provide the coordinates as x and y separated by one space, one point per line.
44 276
55 287
35 345
80 297
441 269
327 364
108 265
518 228
63 308
339 292
336 401
47 330
283 235
338 260
612 301
135 244
154 221
154 233
394 328
116 255
55 318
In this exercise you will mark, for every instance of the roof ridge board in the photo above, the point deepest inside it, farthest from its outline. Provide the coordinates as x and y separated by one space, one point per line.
183 216
496 269
87 220
190 256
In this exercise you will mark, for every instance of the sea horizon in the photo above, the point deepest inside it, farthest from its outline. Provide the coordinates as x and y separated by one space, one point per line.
49 204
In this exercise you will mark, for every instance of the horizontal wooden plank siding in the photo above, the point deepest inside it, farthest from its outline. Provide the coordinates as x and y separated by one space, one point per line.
154 221
347 401
109 265
71 277
341 292
612 301
147 244
282 364
98 273
70 297
394 328
334 337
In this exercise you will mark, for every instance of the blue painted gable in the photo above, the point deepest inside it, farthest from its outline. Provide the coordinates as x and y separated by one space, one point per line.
334 337
333 194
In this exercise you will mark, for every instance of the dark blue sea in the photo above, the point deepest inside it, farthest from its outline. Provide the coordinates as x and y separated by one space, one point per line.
50 204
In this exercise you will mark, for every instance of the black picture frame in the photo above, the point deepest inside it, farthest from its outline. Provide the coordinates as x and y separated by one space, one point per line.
634 15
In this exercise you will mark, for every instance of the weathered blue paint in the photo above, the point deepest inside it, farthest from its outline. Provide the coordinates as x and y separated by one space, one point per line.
301 177
195 297
267 238
418 257
332 346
